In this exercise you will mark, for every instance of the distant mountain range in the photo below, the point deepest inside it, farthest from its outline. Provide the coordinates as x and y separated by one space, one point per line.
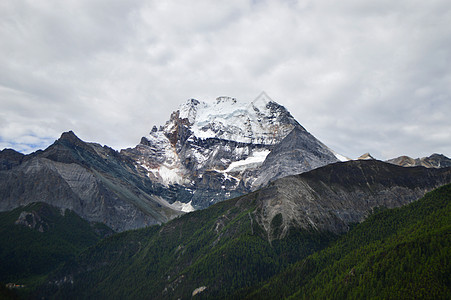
433 161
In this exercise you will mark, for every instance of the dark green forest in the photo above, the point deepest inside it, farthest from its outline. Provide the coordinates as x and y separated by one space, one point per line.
29 253
221 247
394 253
401 253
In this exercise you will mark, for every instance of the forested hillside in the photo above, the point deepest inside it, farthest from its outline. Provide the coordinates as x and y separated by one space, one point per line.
397 253
221 248
37 238
225 252
222 252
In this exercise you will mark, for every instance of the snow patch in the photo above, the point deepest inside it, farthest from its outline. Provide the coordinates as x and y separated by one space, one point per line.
229 119
185 207
254 160
341 157
170 175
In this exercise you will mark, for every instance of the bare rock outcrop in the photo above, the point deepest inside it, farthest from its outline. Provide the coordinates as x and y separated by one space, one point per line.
333 197
95 182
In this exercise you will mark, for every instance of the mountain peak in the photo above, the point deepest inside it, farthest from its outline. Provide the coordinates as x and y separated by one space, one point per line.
262 100
69 136
223 147
365 156
10 158
261 121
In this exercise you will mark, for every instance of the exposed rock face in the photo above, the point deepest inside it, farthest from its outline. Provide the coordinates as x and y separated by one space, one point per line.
10 158
95 182
218 150
335 196
297 153
32 220
433 161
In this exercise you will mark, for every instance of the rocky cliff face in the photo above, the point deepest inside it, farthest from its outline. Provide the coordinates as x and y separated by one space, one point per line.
227 148
95 182
333 197
297 153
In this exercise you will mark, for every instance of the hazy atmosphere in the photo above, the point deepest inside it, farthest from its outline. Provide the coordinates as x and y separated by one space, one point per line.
371 76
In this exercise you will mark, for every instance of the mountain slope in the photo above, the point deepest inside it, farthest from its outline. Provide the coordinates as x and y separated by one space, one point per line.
205 153
240 242
398 253
94 181
227 148
335 196
221 247
37 238
297 153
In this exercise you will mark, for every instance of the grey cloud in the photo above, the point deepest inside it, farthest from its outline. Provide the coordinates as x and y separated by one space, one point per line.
361 76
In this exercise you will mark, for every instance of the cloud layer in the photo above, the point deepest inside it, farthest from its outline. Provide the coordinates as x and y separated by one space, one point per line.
362 76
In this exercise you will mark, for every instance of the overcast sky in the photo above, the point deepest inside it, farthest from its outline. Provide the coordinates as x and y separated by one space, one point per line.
361 76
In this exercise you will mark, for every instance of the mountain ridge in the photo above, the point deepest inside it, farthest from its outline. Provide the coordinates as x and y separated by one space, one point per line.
96 182
395 253
335 196
219 149
433 161
239 242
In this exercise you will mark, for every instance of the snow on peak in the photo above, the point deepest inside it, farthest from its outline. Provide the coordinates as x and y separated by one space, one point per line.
188 110
185 207
260 122
229 119
255 159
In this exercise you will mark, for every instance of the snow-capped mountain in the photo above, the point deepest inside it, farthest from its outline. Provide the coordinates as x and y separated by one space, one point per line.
217 149
260 122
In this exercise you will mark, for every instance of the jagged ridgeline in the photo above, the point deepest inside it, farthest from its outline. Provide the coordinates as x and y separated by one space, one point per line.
96 182
433 161
205 153
221 149
236 245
